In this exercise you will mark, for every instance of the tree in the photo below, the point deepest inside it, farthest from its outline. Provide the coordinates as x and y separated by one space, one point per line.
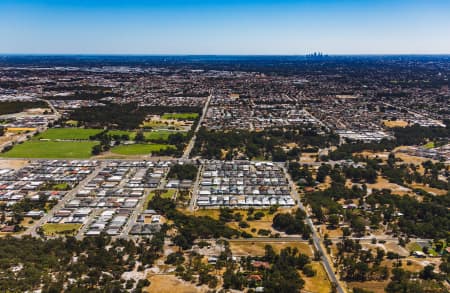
96 150
333 220
139 137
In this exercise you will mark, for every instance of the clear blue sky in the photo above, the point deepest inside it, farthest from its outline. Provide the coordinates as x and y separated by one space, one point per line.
224 27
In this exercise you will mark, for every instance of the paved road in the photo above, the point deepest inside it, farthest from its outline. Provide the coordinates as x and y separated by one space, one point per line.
194 193
58 115
191 143
315 236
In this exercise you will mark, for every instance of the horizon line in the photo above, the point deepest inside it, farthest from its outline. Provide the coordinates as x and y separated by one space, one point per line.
224 54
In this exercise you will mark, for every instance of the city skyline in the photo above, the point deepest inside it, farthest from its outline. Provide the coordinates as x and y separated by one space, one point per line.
224 28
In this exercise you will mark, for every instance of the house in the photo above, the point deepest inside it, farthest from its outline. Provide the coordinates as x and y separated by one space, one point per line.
7 229
260 264
256 278
419 254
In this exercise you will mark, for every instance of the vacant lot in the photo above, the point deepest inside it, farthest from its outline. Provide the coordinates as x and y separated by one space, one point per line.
13 164
51 150
166 193
395 123
171 284
53 229
68 133
182 116
320 282
257 248
374 286
214 213
139 149
383 183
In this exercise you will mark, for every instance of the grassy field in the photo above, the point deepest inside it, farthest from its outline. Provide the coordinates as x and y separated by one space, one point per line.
53 229
51 150
131 134
373 286
429 145
160 134
320 282
184 116
149 135
68 133
169 193
61 186
258 248
139 149
413 246
214 213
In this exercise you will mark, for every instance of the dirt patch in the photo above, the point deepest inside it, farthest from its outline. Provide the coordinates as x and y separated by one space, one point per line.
395 123
431 190
383 183
13 164
374 286
394 247
171 284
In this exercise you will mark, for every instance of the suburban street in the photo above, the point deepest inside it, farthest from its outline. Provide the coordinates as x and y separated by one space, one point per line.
67 198
315 237
188 149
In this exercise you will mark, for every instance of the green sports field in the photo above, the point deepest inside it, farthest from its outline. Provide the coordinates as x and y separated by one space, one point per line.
68 133
139 149
149 135
183 116
131 134
51 150
160 134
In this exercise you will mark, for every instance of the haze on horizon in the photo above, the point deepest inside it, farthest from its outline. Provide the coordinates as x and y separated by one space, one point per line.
281 27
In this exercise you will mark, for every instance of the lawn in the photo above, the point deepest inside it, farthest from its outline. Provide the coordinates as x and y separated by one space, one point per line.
139 149
413 246
429 145
61 186
68 133
181 116
51 150
53 229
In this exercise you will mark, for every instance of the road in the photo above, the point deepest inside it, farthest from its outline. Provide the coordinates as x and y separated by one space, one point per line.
58 115
132 219
67 198
194 193
188 149
315 236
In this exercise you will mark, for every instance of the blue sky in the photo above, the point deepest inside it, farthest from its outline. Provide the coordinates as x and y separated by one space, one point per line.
224 27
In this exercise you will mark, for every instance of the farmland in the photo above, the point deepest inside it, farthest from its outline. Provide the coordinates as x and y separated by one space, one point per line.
51 150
